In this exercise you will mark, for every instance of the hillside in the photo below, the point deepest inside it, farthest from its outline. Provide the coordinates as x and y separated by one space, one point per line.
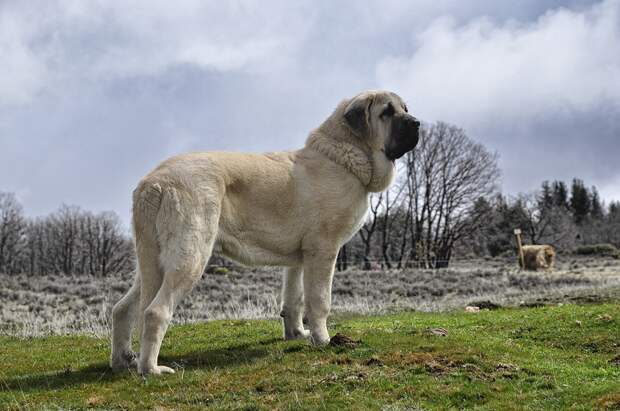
554 357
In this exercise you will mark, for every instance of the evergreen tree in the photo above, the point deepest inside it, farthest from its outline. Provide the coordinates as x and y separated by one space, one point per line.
596 208
614 208
546 199
482 235
580 202
560 194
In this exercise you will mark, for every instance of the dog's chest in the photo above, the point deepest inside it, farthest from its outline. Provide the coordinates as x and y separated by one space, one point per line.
355 220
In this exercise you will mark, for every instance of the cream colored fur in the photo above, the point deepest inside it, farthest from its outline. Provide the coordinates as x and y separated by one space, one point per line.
292 209
537 257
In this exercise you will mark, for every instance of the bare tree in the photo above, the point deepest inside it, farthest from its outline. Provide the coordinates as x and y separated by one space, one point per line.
63 240
34 260
105 248
447 173
12 233
69 241
368 229
390 224
547 224
342 260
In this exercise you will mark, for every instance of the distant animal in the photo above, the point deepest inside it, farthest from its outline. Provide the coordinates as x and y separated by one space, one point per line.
538 257
292 209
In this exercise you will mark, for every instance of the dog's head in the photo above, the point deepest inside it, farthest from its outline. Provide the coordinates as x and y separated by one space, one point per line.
381 119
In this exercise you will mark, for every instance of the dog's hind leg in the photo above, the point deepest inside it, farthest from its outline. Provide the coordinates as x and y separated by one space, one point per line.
186 238
179 278
124 316
148 278
293 304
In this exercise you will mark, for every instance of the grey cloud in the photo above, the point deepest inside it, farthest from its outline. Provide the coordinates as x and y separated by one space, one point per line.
543 93
97 93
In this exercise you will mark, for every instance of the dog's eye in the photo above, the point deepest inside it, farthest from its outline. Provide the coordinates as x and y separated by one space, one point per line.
388 112
405 108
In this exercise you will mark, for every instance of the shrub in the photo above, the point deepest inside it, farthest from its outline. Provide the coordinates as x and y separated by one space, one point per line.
598 249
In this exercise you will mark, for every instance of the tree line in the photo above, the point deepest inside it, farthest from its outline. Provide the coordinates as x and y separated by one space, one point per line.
555 214
445 202
68 241
564 217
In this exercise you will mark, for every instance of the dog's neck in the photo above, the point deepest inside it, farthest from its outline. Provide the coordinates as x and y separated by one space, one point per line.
335 140
353 158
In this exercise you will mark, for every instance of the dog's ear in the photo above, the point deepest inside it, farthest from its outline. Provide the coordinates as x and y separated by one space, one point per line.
357 115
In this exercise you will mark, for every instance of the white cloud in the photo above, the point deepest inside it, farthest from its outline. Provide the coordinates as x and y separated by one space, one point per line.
23 74
566 60
611 190
545 94
57 44
110 88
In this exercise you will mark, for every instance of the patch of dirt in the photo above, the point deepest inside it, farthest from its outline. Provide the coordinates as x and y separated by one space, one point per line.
360 376
506 367
508 371
535 304
341 340
485 305
408 358
604 295
432 363
609 402
586 299
615 361
342 361
440 365
374 362
591 346
440 332
94 401
334 378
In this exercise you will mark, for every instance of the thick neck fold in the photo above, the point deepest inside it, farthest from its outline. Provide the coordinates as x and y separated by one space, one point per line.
335 140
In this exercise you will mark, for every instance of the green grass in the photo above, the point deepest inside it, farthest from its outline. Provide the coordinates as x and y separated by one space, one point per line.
556 357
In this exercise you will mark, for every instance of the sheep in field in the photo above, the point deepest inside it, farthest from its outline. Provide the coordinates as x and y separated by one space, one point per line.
537 257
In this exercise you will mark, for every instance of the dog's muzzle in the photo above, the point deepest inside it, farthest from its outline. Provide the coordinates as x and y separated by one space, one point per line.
403 138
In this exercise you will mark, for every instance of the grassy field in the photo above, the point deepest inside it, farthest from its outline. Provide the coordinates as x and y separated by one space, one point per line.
554 357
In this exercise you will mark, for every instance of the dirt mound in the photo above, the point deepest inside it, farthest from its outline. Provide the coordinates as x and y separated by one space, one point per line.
341 340
485 305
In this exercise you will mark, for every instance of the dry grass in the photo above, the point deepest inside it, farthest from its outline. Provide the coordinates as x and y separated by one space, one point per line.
34 306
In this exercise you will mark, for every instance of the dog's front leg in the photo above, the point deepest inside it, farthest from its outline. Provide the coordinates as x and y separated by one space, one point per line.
293 304
318 273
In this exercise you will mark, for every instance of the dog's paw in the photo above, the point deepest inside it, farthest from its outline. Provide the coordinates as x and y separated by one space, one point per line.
124 361
297 334
319 340
155 370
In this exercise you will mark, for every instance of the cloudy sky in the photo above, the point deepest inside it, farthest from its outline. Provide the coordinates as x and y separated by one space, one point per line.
93 94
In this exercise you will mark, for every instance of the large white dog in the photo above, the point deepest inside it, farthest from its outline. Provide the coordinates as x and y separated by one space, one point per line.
292 209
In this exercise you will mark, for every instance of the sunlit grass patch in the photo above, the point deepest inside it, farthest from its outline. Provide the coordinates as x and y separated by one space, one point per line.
555 357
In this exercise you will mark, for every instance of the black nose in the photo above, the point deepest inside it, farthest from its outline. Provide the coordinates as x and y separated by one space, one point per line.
412 121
